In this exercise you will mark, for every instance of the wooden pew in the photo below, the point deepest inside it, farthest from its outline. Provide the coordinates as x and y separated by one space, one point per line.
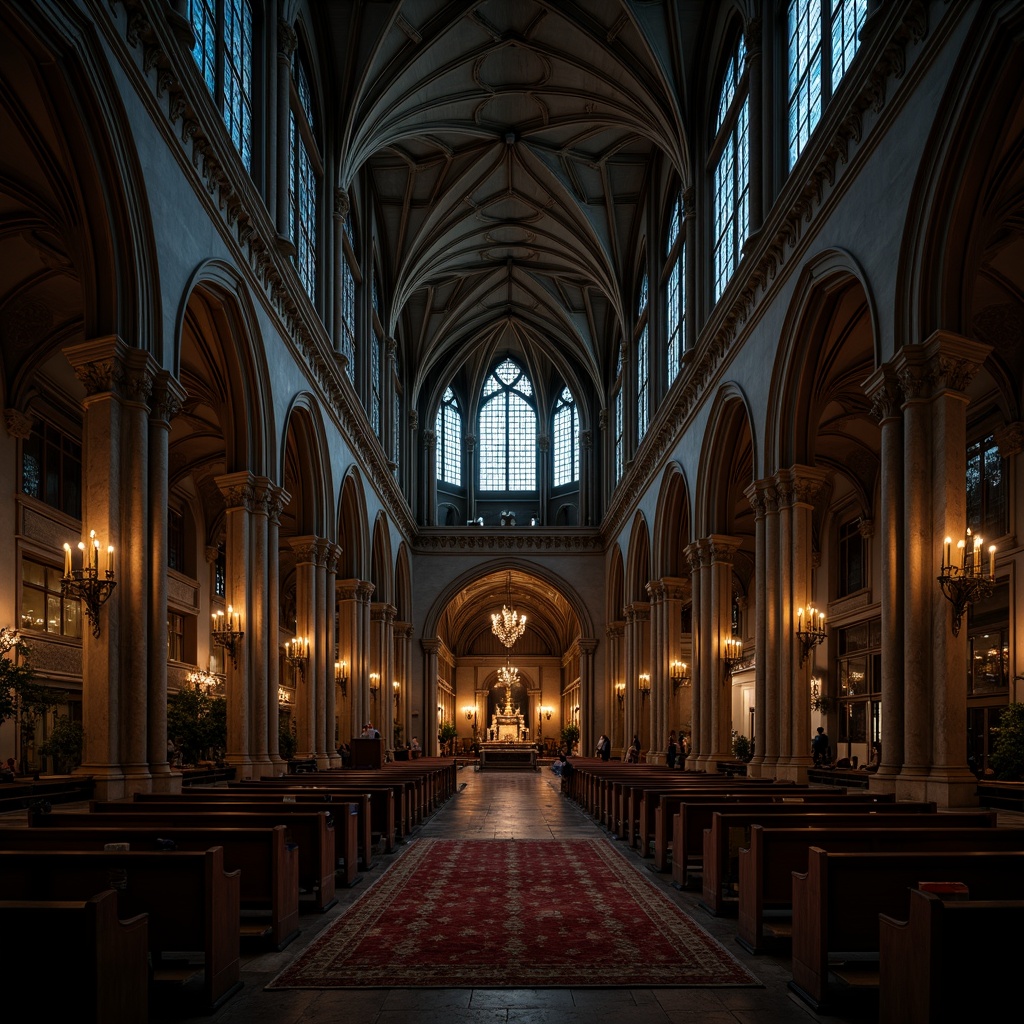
692 822
311 830
838 900
353 837
729 832
766 867
269 865
104 979
925 960
192 902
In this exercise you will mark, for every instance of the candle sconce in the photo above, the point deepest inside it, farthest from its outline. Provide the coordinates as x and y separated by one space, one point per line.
809 633
680 675
86 584
374 684
961 584
733 654
620 693
227 633
297 653
340 677
644 684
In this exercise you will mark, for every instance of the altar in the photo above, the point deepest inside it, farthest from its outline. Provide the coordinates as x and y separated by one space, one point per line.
508 728
508 755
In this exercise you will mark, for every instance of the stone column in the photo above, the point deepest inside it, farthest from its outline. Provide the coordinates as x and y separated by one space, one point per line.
588 697
332 554
677 699
403 673
469 457
638 616
755 115
806 483
615 674
658 652
882 388
935 377
756 496
287 40
306 710
258 633
700 656
240 492
786 615
341 208
543 482
364 654
430 723
321 656
275 500
586 477
168 396
722 550
351 713
101 366
429 478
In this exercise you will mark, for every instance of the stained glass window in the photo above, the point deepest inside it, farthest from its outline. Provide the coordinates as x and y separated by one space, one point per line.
448 432
508 431
566 439
675 290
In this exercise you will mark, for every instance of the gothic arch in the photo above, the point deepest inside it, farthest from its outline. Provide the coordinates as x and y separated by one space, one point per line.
403 585
638 561
672 530
616 598
305 470
352 521
721 478
381 571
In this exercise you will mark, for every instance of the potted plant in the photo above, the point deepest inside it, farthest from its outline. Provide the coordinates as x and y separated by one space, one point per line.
570 736
1008 750
446 733
21 697
197 722
65 744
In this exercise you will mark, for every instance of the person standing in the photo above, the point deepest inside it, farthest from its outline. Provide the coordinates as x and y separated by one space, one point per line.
819 747
672 750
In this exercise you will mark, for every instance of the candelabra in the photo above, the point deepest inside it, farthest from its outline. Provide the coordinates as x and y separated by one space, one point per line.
297 653
340 677
470 710
506 625
396 686
961 584
644 685
809 633
733 653
374 685
620 693
680 675
227 633
86 584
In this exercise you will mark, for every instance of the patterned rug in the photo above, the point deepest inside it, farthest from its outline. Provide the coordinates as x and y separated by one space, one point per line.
512 914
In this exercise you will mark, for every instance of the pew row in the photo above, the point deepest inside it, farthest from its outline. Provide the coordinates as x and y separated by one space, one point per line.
269 865
924 960
766 867
838 900
192 903
106 981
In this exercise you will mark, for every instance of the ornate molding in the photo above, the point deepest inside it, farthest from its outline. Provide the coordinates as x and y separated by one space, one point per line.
19 426
524 539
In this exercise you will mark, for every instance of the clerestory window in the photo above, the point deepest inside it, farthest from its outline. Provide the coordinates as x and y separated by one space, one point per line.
448 434
643 369
508 431
566 431
304 174
675 290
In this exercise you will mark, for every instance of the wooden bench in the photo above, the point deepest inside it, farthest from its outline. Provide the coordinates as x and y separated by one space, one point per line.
269 865
353 838
191 900
106 978
729 832
925 960
692 822
766 867
838 900
311 830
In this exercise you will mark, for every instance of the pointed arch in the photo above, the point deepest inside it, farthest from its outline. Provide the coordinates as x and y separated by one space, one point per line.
380 561
305 468
402 597
352 525
616 595
672 524
638 561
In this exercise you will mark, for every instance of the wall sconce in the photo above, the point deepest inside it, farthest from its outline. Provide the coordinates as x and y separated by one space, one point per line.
227 632
809 633
644 684
733 653
374 684
297 653
620 693
397 688
961 584
470 710
86 584
680 675
340 677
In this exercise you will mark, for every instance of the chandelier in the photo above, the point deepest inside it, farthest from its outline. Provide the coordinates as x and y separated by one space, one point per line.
507 625
508 676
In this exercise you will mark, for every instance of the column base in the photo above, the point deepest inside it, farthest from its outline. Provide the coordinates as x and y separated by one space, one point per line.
108 780
947 788
165 780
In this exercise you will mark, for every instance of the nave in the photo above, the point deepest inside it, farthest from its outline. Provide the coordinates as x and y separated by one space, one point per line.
509 806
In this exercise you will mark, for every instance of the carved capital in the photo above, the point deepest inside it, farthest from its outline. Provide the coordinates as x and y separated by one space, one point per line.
1010 439
167 398
342 203
18 424
240 490
429 439
287 39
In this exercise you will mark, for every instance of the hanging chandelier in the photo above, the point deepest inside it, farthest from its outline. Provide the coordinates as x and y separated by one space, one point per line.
507 625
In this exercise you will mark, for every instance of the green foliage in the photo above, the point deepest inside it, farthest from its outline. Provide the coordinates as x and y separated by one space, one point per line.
197 722
21 696
1008 750
741 747
446 732
286 742
65 745
570 736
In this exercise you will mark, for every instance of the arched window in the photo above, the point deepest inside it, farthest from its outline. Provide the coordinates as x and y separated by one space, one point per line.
223 51
567 439
732 179
304 173
675 290
822 38
348 299
643 369
396 416
508 431
448 433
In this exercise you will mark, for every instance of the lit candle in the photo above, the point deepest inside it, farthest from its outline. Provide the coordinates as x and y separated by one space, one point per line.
992 560
229 618
949 542
799 620
67 561
81 547
96 555
963 555
110 559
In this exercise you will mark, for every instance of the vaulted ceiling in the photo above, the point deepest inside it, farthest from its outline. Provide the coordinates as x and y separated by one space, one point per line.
510 147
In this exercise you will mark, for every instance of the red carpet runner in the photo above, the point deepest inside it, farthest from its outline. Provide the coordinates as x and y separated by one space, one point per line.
512 914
